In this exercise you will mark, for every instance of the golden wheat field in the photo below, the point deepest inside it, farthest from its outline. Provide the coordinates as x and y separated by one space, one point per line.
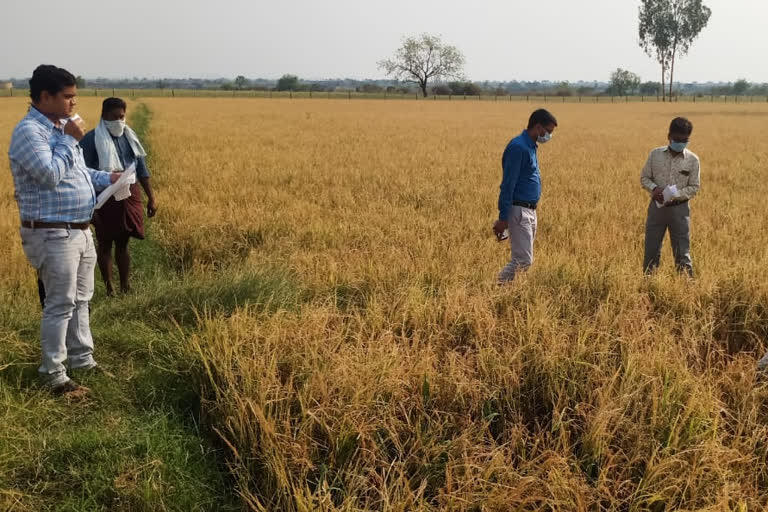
383 369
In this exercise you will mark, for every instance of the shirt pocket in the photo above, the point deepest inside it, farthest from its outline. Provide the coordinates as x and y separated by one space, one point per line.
685 172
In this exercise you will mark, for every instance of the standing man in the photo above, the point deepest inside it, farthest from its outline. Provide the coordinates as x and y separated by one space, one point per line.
520 192
56 193
667 166
113 146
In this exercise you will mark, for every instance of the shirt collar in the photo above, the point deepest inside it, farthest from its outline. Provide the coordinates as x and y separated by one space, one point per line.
683 154
528 140
40 117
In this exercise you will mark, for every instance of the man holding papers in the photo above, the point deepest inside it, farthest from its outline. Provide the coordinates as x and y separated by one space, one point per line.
671 176
56 192
114 146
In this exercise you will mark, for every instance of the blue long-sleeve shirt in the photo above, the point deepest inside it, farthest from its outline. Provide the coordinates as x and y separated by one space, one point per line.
521 180
52 182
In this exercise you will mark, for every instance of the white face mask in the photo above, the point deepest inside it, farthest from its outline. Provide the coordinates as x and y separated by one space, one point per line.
116 128
545 138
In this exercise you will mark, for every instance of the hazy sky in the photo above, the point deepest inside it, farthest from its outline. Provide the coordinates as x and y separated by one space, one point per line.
501 39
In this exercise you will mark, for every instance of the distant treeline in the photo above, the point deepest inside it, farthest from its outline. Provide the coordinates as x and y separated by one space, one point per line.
456 88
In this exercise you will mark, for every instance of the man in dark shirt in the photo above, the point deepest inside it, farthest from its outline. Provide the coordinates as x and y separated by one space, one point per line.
114 146
520 192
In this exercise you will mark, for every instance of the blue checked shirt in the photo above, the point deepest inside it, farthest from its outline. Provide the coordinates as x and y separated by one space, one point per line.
51 179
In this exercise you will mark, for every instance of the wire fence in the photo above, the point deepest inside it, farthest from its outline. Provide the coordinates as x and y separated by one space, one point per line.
352 95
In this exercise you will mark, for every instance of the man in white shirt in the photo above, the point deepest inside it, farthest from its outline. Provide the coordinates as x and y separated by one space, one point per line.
669 167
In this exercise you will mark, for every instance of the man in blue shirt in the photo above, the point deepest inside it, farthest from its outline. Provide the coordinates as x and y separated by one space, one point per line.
520 192
56 193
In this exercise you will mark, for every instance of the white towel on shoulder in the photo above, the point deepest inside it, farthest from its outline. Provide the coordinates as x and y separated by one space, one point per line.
109 160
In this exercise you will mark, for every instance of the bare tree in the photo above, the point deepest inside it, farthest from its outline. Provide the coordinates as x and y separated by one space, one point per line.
422 59
668 28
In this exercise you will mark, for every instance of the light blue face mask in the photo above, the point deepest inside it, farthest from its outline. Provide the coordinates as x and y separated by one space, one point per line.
677 147
546 138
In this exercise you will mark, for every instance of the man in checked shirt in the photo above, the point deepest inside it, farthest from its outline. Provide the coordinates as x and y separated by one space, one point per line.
666 166
56 194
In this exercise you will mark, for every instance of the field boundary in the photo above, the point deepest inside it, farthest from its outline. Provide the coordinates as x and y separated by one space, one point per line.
351 95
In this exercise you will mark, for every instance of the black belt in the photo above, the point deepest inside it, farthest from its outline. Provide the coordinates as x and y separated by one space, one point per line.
34 224
530 206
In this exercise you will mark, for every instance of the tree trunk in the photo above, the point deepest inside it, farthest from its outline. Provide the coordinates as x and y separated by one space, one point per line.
423 86
663 83
671 75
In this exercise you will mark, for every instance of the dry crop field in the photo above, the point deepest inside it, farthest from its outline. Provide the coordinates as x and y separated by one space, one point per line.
378 367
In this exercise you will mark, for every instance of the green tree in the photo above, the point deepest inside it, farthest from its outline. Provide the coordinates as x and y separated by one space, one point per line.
740 87
564 89
623 82
668 28
241 82
422 59
650 88
80 82
288 83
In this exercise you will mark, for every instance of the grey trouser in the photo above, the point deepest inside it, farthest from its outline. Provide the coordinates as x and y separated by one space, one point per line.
677 219
65 260
522 231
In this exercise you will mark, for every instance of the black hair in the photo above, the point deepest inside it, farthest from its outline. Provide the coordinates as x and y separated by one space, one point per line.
542 117
111 104
681 125
49 78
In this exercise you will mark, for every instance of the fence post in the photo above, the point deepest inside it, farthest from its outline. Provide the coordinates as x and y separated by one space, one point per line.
563 99
579 98
545 98
526 98
465 96
11 92
310 93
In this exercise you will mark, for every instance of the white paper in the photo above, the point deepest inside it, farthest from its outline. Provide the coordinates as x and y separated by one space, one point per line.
117 189
65 120
669 193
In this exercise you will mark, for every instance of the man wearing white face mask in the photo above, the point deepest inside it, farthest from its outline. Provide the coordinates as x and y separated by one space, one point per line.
113 145
520 192
675 169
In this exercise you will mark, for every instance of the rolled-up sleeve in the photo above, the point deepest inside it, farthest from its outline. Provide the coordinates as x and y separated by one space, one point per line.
45 165
142 171
694 182
646 177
